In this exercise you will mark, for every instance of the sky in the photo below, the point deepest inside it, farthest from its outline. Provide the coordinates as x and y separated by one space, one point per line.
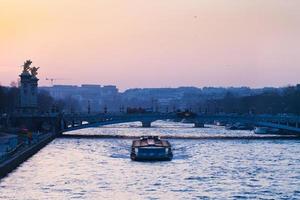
153 43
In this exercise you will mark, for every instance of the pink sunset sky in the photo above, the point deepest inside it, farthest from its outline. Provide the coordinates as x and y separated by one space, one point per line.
153 43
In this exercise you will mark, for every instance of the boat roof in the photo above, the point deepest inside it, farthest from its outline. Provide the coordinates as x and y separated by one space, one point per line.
146 141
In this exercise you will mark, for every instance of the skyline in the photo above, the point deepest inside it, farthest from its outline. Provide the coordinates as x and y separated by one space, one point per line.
153 44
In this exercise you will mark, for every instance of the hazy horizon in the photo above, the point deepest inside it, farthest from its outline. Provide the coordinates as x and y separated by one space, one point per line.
149 44
158 87
172 87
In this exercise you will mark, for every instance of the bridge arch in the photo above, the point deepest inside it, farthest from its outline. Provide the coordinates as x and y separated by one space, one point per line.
75 122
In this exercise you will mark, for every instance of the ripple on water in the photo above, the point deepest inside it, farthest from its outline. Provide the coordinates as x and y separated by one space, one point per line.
102 169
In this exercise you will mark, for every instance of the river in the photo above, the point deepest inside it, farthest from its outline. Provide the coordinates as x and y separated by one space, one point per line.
200 169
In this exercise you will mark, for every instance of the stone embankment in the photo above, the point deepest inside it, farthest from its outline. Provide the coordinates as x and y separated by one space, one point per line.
22 151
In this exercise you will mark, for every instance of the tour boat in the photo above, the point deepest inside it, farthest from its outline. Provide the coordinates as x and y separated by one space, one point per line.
151 148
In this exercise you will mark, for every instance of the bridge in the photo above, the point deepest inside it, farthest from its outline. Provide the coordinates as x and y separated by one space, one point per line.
27 119
70 122
27 115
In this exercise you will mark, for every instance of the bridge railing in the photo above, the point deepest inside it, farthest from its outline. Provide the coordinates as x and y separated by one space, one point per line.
123 117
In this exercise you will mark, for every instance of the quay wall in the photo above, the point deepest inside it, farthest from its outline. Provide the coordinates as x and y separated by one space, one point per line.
12 163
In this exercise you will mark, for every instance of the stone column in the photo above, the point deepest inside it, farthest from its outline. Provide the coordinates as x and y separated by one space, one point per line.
198 124
146 124
28 93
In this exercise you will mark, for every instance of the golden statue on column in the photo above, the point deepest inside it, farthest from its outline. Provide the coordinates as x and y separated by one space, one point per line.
27 68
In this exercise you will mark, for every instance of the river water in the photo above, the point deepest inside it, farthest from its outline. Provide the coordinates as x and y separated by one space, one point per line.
201 169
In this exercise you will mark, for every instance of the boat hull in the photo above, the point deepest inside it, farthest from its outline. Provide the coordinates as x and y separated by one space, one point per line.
151 148
148 159
151 154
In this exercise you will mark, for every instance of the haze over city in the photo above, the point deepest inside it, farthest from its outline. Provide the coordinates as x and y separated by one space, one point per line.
166 43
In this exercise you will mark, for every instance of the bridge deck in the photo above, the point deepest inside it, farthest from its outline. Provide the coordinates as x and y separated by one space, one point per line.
268 137
285 123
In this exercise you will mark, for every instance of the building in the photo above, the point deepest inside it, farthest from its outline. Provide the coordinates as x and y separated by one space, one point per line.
90 96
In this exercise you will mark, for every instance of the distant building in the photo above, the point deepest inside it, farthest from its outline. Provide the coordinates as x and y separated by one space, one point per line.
88 95
100 98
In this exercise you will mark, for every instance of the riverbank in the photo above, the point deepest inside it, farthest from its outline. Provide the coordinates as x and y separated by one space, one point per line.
22 153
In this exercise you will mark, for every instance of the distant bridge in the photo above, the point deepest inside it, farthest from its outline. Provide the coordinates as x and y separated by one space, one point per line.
79 121
70 122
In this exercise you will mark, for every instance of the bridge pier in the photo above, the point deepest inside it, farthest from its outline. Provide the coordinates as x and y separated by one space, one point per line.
146 124
198 124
